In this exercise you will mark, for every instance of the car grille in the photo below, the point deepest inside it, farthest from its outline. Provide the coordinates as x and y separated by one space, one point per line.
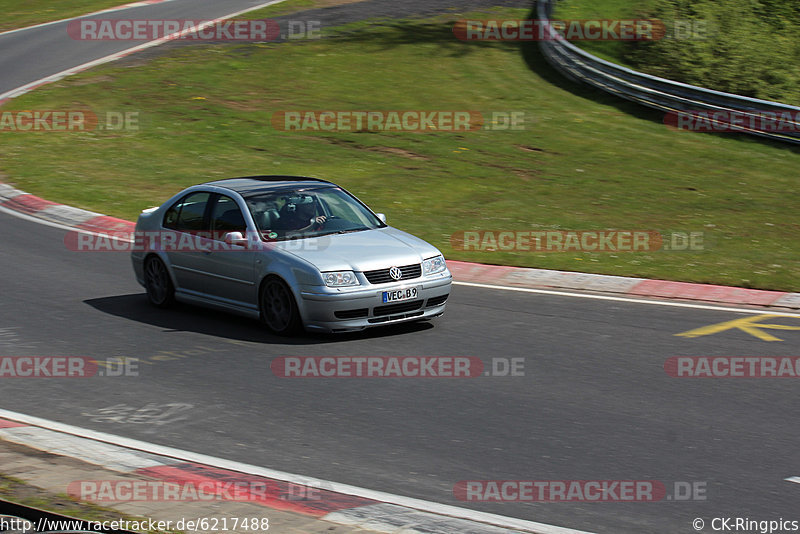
381 276
352 314
397 308
436 301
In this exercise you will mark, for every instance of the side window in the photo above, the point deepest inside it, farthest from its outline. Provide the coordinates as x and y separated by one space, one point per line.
187 214
227 217
171 217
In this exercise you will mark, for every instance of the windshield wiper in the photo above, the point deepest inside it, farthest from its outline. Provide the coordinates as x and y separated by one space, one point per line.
332 232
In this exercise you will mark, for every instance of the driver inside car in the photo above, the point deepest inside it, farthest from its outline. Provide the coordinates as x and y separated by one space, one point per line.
299 214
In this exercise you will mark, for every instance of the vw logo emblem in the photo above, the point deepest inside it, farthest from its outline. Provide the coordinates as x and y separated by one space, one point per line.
395 273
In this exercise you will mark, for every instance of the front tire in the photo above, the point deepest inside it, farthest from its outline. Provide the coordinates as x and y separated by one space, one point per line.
278 308
157 282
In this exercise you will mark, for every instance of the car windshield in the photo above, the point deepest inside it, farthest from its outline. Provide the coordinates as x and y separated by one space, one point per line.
309 213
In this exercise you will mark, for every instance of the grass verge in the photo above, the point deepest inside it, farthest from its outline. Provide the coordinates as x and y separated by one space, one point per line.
584 161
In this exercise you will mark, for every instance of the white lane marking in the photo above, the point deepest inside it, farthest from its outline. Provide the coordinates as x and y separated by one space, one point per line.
796 480
8 192
117 55
122 7
150 414
417 504
390 519
93 452
10 339
629 299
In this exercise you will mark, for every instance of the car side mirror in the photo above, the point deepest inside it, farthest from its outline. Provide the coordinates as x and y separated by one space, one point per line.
235 238
382 217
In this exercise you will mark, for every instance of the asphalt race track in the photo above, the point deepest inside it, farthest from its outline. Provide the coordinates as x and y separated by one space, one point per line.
593 403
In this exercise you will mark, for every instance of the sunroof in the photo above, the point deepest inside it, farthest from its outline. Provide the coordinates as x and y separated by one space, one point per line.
277 178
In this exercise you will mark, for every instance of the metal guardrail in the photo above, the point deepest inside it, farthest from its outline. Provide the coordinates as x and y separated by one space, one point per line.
655 92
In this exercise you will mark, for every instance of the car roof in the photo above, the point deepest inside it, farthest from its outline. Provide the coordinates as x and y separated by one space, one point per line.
249 185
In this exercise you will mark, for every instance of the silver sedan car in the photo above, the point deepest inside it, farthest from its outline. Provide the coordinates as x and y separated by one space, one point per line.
295 252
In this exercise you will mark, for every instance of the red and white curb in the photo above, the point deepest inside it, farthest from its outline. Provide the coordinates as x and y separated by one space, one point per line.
463 272
333 502
59 214
628 286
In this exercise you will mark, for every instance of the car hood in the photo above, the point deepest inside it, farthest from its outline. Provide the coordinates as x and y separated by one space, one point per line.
361 251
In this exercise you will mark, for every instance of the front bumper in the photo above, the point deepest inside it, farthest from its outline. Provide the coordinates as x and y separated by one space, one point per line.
332 310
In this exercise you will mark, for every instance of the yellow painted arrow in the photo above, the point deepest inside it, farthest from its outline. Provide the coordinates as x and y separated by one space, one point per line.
751 325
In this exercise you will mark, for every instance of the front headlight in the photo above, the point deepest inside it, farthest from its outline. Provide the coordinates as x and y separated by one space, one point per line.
433 265
341 279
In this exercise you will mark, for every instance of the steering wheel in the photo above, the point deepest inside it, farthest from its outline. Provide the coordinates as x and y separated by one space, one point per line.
318 225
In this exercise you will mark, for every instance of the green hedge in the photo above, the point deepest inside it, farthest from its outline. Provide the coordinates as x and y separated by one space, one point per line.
747 47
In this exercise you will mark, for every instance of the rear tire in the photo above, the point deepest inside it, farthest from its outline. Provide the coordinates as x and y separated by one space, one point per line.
278 308
157 282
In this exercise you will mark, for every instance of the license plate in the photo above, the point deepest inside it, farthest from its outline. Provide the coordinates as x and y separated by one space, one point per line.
398 295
